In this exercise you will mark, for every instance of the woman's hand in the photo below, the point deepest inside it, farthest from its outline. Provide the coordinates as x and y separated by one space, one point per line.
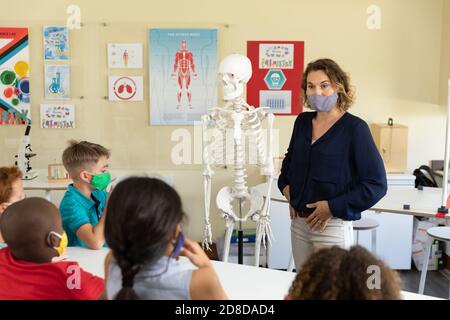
292 212
320 216
195 254
287 195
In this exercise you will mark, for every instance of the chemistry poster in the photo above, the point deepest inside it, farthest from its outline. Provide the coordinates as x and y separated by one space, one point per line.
56 82
14 77
183 75
277 71
57 116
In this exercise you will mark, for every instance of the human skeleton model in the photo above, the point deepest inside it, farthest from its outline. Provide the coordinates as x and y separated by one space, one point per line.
235 71
182 68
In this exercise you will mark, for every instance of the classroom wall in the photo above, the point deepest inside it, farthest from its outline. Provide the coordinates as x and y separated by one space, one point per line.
445 53
397 72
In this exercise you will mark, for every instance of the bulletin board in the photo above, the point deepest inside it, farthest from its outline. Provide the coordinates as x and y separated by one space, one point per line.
122 126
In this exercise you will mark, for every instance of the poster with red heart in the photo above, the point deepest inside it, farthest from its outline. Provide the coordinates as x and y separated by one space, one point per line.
277 70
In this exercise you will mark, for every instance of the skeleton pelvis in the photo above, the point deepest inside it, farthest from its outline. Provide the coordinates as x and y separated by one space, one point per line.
226 197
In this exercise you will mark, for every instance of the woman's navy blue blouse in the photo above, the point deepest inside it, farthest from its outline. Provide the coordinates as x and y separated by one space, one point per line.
343 167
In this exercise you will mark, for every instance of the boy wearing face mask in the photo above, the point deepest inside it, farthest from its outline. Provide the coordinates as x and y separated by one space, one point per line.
31 266
83 203
11 190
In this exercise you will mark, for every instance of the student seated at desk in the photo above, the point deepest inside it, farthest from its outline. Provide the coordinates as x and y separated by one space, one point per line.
83 203
11 190
31 266
338 274
143 230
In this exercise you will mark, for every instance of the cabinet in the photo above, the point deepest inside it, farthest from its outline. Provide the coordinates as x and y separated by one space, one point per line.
279 253
392 143
394 238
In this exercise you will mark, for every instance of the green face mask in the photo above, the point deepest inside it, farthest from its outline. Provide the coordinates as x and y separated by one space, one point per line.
101 180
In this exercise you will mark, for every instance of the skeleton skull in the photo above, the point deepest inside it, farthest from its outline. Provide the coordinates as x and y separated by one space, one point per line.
234 71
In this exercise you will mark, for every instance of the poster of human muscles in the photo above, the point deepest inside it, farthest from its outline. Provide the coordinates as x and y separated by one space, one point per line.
183 75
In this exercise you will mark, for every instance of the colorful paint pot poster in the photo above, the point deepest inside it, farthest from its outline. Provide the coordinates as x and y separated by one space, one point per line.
57 82
14 77
277 73
57 116
125 55
183 64
125 88
56 43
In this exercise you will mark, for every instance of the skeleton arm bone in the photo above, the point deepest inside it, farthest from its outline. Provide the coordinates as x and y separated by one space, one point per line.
263 228
207 176
268 168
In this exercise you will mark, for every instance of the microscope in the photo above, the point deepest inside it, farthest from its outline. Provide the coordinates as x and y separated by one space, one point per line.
23 156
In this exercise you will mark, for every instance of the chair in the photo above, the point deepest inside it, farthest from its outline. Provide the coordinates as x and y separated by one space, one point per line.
367 224
438 233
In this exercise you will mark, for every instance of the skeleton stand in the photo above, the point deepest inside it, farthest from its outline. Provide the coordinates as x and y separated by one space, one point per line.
240 236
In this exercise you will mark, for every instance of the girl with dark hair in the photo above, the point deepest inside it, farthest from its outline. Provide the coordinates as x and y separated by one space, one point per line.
143 230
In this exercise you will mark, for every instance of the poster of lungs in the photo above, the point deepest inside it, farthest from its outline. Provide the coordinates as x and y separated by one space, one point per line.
57 82
57 116
125 55
125 88
14 77
183 64
277 72
56 43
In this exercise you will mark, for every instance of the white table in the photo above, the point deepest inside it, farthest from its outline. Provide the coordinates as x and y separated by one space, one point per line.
240 282
423 203
41 183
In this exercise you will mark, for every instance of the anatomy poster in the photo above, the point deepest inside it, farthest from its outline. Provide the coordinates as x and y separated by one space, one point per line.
57 116
277 72
125 88
125 55
14 77
57 82
183 75
56 43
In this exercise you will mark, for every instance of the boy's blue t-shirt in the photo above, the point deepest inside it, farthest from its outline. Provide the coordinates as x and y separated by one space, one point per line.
76 210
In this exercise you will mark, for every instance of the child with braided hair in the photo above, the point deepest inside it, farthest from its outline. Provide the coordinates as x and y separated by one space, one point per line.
143 230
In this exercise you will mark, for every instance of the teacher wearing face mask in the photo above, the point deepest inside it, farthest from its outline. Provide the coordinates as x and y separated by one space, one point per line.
332 170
